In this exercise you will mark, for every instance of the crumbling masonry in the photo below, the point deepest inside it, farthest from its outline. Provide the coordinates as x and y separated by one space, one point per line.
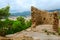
43 17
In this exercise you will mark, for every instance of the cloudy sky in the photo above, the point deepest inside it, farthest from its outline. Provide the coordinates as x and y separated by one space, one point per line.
24 5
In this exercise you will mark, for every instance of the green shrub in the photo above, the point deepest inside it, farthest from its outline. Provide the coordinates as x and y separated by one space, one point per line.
8 22
17 26
21 19
7 25
11 27
59 17
28 23
1 24
58 31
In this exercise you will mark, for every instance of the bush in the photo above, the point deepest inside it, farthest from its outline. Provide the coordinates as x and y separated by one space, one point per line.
17 26
10 26
59 17
28 23
58 31
7 26
22 22
21 19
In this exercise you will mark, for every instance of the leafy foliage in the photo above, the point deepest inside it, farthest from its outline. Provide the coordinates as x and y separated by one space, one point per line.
10 26
28 23
21 19
59 17
4 12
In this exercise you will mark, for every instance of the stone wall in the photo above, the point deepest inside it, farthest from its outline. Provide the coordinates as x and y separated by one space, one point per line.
44 17
55 22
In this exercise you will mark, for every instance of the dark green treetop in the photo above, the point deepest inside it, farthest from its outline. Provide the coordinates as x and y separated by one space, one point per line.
4 12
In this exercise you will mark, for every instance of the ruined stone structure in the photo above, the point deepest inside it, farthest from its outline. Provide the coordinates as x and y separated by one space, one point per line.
43 17
55 22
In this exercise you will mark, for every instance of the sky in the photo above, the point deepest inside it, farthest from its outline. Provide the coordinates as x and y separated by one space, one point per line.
25 5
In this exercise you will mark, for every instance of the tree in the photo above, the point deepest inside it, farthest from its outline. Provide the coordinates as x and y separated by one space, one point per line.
4 12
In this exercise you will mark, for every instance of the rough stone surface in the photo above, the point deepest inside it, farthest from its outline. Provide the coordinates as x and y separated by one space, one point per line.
55 22
43 17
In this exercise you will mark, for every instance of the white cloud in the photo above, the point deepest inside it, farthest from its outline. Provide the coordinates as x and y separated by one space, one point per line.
23 5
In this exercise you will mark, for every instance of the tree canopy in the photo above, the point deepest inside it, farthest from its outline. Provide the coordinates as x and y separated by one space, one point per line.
4 12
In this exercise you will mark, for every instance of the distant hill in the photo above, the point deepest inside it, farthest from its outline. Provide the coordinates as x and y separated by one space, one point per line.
28 13
53 10
25 13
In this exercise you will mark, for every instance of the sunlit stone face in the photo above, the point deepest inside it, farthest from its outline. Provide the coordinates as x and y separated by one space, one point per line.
43 17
